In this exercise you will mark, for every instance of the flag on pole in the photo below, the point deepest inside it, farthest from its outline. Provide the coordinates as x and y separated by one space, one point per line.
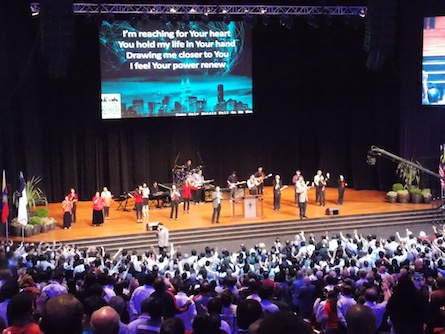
5 204
23 202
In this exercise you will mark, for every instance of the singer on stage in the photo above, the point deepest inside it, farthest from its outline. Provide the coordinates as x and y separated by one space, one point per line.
216 199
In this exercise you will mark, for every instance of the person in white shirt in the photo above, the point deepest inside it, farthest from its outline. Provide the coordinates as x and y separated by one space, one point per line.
145 197
162 236
107 197
315 184
181 300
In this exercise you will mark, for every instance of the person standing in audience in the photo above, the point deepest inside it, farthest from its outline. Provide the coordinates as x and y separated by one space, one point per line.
20 315
105 321
361 320
107 197
345 301
67 207
98 206
162 235
216 201
72 196
174 199
341 189
181 300
62 314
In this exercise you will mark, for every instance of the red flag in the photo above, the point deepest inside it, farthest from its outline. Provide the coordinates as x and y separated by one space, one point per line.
5 205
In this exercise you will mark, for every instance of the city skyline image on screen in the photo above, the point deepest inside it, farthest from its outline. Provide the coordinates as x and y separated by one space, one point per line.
157 69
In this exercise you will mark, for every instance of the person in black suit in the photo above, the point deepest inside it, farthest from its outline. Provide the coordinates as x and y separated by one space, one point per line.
216 199
341 189
277 188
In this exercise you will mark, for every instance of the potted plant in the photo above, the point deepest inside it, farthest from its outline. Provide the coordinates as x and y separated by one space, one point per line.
397 186
34 194
403 196
15 228
392 196
36 222
29 230
416 195
409 174
427 196
49 224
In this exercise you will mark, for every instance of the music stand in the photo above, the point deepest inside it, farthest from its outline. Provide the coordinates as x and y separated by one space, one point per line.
122 200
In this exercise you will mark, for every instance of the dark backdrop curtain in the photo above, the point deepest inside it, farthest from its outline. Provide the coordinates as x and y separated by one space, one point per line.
316 106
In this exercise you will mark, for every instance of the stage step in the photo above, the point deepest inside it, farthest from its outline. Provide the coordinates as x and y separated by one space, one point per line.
217 234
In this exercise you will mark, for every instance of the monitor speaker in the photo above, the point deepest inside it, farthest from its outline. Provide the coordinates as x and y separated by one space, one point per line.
332 211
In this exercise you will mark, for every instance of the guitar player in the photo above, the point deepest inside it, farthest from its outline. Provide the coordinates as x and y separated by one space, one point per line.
232 182
260 176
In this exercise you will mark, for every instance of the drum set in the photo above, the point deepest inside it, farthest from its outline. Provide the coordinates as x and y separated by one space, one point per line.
180 174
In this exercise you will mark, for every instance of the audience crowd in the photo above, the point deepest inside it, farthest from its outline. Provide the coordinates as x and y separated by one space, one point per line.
334 284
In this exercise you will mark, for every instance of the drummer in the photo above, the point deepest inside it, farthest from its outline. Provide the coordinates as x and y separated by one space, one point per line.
188 169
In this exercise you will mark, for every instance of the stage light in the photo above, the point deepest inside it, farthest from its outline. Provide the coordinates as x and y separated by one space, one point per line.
250 19
186 18
287 21
110 17
145 17
313 21
34 11
362 12
227 18
205 18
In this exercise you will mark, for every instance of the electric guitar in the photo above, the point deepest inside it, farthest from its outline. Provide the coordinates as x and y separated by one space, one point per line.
259 180
198 184
233 185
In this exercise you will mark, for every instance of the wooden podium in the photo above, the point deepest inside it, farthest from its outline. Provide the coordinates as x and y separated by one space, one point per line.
252 206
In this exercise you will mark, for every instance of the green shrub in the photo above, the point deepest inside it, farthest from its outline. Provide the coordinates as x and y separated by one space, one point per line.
397 187
426 192
34 220
416 191
402 192
41 212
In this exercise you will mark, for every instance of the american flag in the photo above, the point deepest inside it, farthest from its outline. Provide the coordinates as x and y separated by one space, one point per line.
442 166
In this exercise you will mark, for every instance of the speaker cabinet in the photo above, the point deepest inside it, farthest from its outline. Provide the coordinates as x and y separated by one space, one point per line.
332 211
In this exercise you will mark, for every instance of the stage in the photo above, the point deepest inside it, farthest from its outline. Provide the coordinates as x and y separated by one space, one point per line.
121 223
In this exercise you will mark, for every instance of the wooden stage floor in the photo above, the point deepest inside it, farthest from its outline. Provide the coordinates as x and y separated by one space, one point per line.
357 202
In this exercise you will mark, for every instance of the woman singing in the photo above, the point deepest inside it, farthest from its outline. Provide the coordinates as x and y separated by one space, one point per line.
174 195
187 194
67 207
72 196
98 205
138 196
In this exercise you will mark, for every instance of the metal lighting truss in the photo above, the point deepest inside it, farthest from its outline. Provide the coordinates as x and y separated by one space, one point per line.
116 8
